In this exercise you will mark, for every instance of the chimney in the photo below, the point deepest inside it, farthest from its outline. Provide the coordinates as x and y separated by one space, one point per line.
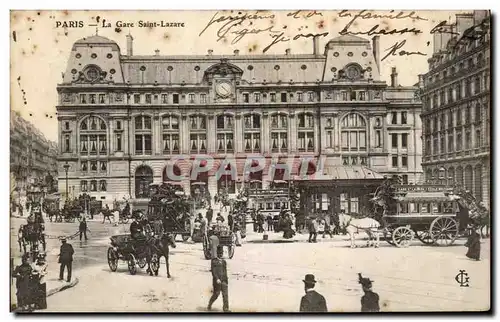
157 52
130 45
236 52
376 50
464 22
394 77
210 52
316 45
287 51
420 81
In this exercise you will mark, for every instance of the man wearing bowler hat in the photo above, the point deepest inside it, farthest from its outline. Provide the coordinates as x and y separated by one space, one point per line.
312 301
65 259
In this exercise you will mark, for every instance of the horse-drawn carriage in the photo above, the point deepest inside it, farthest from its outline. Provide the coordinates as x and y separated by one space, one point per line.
225 236
32 234
134 253
428 212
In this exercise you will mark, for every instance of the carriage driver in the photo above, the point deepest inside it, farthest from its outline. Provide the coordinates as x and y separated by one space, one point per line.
136 228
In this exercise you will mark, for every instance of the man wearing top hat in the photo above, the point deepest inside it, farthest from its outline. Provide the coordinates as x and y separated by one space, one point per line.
65 259
369 301
312 301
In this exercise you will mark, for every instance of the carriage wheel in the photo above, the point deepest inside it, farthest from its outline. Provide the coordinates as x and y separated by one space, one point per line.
444 231
141 262
424 236
112 259
155 263
131 264
206 250
402 236
230 251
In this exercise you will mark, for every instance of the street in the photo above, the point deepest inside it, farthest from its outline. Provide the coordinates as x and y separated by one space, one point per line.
267 277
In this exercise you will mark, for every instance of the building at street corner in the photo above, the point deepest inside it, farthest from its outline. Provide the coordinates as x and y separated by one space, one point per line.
456 106
33 158
125 119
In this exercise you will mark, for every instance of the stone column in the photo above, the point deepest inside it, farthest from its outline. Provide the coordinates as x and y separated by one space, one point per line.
184 135
111 136
238 134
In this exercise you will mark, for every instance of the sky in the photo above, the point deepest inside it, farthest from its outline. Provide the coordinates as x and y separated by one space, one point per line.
41 48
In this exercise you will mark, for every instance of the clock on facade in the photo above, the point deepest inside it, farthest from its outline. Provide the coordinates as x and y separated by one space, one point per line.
224 89
353 72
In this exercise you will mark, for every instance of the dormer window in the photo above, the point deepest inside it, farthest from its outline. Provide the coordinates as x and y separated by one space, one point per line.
191 98
310 96
246 98
273 97
256 97
283 97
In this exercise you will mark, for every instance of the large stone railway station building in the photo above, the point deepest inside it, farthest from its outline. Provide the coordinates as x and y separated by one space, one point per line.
123 118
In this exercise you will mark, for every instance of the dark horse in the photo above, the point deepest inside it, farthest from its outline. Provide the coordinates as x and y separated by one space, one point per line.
162 246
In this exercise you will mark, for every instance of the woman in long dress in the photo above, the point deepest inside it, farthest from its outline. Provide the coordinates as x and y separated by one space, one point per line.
474 246
40 270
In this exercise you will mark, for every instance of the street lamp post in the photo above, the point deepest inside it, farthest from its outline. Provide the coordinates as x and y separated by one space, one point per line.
66 168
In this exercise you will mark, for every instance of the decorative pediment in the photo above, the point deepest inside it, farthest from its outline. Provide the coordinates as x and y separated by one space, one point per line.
223 69
91 74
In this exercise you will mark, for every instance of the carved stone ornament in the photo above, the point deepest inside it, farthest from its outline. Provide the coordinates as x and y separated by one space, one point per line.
119 97
67 98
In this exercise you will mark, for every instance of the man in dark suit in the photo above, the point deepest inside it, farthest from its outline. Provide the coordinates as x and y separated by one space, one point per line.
83 228
219 281
65 259
312 301
209 214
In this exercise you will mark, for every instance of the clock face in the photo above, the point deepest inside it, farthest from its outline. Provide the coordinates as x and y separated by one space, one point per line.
224 89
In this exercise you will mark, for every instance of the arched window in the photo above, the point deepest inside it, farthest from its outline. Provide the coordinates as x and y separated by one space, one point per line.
170 131
93 185
279 132
143 180
353 133
225 135
251 138
93 136
305 131
143 135
478 182
198 133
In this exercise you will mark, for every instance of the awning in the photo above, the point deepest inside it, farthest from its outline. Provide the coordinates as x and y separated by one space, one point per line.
343 172
437 196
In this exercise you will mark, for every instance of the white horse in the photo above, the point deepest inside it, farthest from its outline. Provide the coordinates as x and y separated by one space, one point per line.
368 225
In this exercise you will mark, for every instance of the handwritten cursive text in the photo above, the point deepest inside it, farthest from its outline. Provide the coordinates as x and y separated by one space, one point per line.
395 50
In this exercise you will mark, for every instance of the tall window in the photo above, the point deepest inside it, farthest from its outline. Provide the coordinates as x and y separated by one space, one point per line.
450 143
329 132
477 85
450 119
394 141
203 98
143 179
67 145
198 133
279 133
404 140
164 98
404 117
252 132
394 118
459 117
142 135
459 142
93 136
225 135
273 97
353 133
191 98
306 132
450 95
477 117
170 132
467 140
378 139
